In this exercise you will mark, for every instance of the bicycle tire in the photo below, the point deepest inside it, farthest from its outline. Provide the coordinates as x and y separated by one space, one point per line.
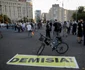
60 47
40 50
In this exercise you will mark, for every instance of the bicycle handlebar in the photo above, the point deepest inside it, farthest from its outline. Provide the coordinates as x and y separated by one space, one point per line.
45 37
59 38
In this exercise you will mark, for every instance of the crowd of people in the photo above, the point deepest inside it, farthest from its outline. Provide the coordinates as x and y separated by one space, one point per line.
66 28
54 28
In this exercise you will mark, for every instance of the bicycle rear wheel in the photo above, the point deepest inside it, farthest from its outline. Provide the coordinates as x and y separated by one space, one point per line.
40 50
62 48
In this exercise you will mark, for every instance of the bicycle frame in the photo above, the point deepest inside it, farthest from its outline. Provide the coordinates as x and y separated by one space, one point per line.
47 41
55 45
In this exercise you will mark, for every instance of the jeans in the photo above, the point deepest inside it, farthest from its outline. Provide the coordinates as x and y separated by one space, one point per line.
29 33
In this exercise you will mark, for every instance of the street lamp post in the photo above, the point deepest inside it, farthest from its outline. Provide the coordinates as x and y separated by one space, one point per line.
76 14
62 11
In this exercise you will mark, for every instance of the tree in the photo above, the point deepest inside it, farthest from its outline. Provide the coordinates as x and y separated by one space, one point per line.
31 20
74 16
4 19
79 14
81 9
24 19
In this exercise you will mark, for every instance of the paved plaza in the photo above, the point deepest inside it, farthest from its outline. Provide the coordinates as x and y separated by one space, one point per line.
18 43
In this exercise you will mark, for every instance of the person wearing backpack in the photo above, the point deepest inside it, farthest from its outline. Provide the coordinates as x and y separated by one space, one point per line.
57 28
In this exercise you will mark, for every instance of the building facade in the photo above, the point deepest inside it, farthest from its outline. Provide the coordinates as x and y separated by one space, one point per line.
37 15
16 9
59 13
43 17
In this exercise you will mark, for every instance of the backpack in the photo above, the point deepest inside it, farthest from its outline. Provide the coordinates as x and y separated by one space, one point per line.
57 26
48 27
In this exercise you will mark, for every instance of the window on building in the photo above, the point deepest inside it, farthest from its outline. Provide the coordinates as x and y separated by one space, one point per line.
14 10
5 9
23 11
19 12
10 10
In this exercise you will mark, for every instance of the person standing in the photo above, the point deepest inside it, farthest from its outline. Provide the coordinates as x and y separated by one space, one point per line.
57 28
29 29
68 27
65 29
80 30
23 26
48 29
50 25
18 27
1 36
84 32
15 26
7 26
74 28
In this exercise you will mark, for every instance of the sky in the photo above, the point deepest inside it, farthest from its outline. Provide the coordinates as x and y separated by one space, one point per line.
45 5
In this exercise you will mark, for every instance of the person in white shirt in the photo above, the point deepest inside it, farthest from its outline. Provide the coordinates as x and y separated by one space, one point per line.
68 27
23 26
29 29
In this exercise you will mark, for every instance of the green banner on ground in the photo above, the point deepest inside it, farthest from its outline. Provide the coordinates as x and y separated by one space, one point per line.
45 61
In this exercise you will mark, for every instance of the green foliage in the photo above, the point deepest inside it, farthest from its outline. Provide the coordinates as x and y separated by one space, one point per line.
31 20
79 14
80 9
74 16
25 19
4 19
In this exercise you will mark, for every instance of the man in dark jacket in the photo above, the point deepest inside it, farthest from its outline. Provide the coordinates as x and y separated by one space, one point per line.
74 28
84 32
57 28
80 30
48 29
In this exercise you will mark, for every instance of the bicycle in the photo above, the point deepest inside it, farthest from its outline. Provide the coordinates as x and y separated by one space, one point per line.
56 44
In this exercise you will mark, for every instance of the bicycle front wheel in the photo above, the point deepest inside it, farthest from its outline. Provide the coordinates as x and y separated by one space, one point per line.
40 50
62 48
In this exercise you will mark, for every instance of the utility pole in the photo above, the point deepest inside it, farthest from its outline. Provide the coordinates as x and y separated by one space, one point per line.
76 14
62 11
